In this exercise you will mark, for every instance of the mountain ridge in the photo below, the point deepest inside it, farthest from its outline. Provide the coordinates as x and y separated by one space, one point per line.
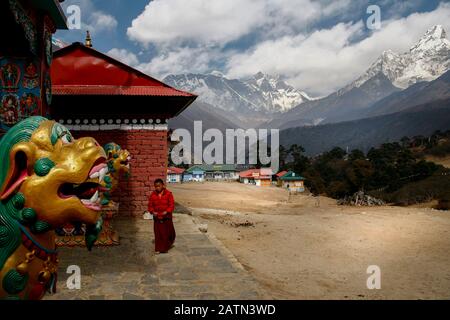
365 133
426 60
262 93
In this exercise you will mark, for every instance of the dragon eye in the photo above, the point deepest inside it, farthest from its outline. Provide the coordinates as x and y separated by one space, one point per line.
66 138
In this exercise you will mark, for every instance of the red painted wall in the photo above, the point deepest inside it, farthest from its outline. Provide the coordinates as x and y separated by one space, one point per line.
148 149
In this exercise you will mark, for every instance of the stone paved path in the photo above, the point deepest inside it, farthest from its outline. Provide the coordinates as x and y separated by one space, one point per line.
198 267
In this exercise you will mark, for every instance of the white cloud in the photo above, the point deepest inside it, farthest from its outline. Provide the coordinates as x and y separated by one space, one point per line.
124 56
188 35
196 20
221 21
327 60
180 60
100 21
336 7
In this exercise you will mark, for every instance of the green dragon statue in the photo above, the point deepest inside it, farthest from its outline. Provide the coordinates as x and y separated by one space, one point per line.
47 178
118 165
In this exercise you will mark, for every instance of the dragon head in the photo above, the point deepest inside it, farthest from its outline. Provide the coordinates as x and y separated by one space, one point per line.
53 177
118 159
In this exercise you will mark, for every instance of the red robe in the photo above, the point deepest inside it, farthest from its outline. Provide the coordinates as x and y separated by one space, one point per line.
162 224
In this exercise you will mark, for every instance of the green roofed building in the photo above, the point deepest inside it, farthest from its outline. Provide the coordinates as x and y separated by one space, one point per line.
293 182
211 172
194 173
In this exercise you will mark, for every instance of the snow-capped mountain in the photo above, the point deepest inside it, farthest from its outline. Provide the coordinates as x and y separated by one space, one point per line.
426 60
58 44
279 95
261 93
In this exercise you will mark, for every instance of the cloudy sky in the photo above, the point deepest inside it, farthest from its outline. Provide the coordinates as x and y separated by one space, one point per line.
316 45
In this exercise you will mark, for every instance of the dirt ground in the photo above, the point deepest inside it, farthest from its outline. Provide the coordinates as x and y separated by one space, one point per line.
302 247
445 161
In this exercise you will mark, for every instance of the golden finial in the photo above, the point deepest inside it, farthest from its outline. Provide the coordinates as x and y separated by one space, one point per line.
88 42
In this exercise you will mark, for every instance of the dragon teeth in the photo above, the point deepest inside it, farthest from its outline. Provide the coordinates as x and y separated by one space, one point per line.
94 197
94 175
102 174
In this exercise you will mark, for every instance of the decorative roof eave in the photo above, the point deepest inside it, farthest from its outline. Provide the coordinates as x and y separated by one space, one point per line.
111 124
110 90
122 127
53 8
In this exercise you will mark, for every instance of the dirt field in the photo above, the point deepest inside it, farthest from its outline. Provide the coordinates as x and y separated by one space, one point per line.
301 247
445 161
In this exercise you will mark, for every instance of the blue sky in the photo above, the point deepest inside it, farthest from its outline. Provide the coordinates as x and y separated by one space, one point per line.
317 46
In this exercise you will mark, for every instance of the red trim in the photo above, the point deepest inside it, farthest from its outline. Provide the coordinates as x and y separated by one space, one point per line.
118 90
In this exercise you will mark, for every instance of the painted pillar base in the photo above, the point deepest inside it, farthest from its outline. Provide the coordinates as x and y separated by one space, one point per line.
108 236
71 236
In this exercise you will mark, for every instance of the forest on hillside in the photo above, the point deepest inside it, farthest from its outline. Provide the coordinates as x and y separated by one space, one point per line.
395 172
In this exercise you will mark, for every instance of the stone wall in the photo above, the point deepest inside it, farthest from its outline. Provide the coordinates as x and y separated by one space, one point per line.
148 149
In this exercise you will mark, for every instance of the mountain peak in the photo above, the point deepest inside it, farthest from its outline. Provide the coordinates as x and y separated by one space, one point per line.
388 55
425 61
259 75
436 32
264 76
433 38
217 74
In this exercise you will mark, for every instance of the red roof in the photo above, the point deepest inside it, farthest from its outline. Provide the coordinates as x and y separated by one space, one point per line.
281 173
248 173
175 170
262 173
80 70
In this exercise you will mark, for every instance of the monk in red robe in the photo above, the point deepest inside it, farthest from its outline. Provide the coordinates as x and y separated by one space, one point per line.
161 206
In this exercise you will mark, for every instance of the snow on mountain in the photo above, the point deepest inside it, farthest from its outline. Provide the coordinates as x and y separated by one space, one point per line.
426 60
58 44
279 95
261 93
